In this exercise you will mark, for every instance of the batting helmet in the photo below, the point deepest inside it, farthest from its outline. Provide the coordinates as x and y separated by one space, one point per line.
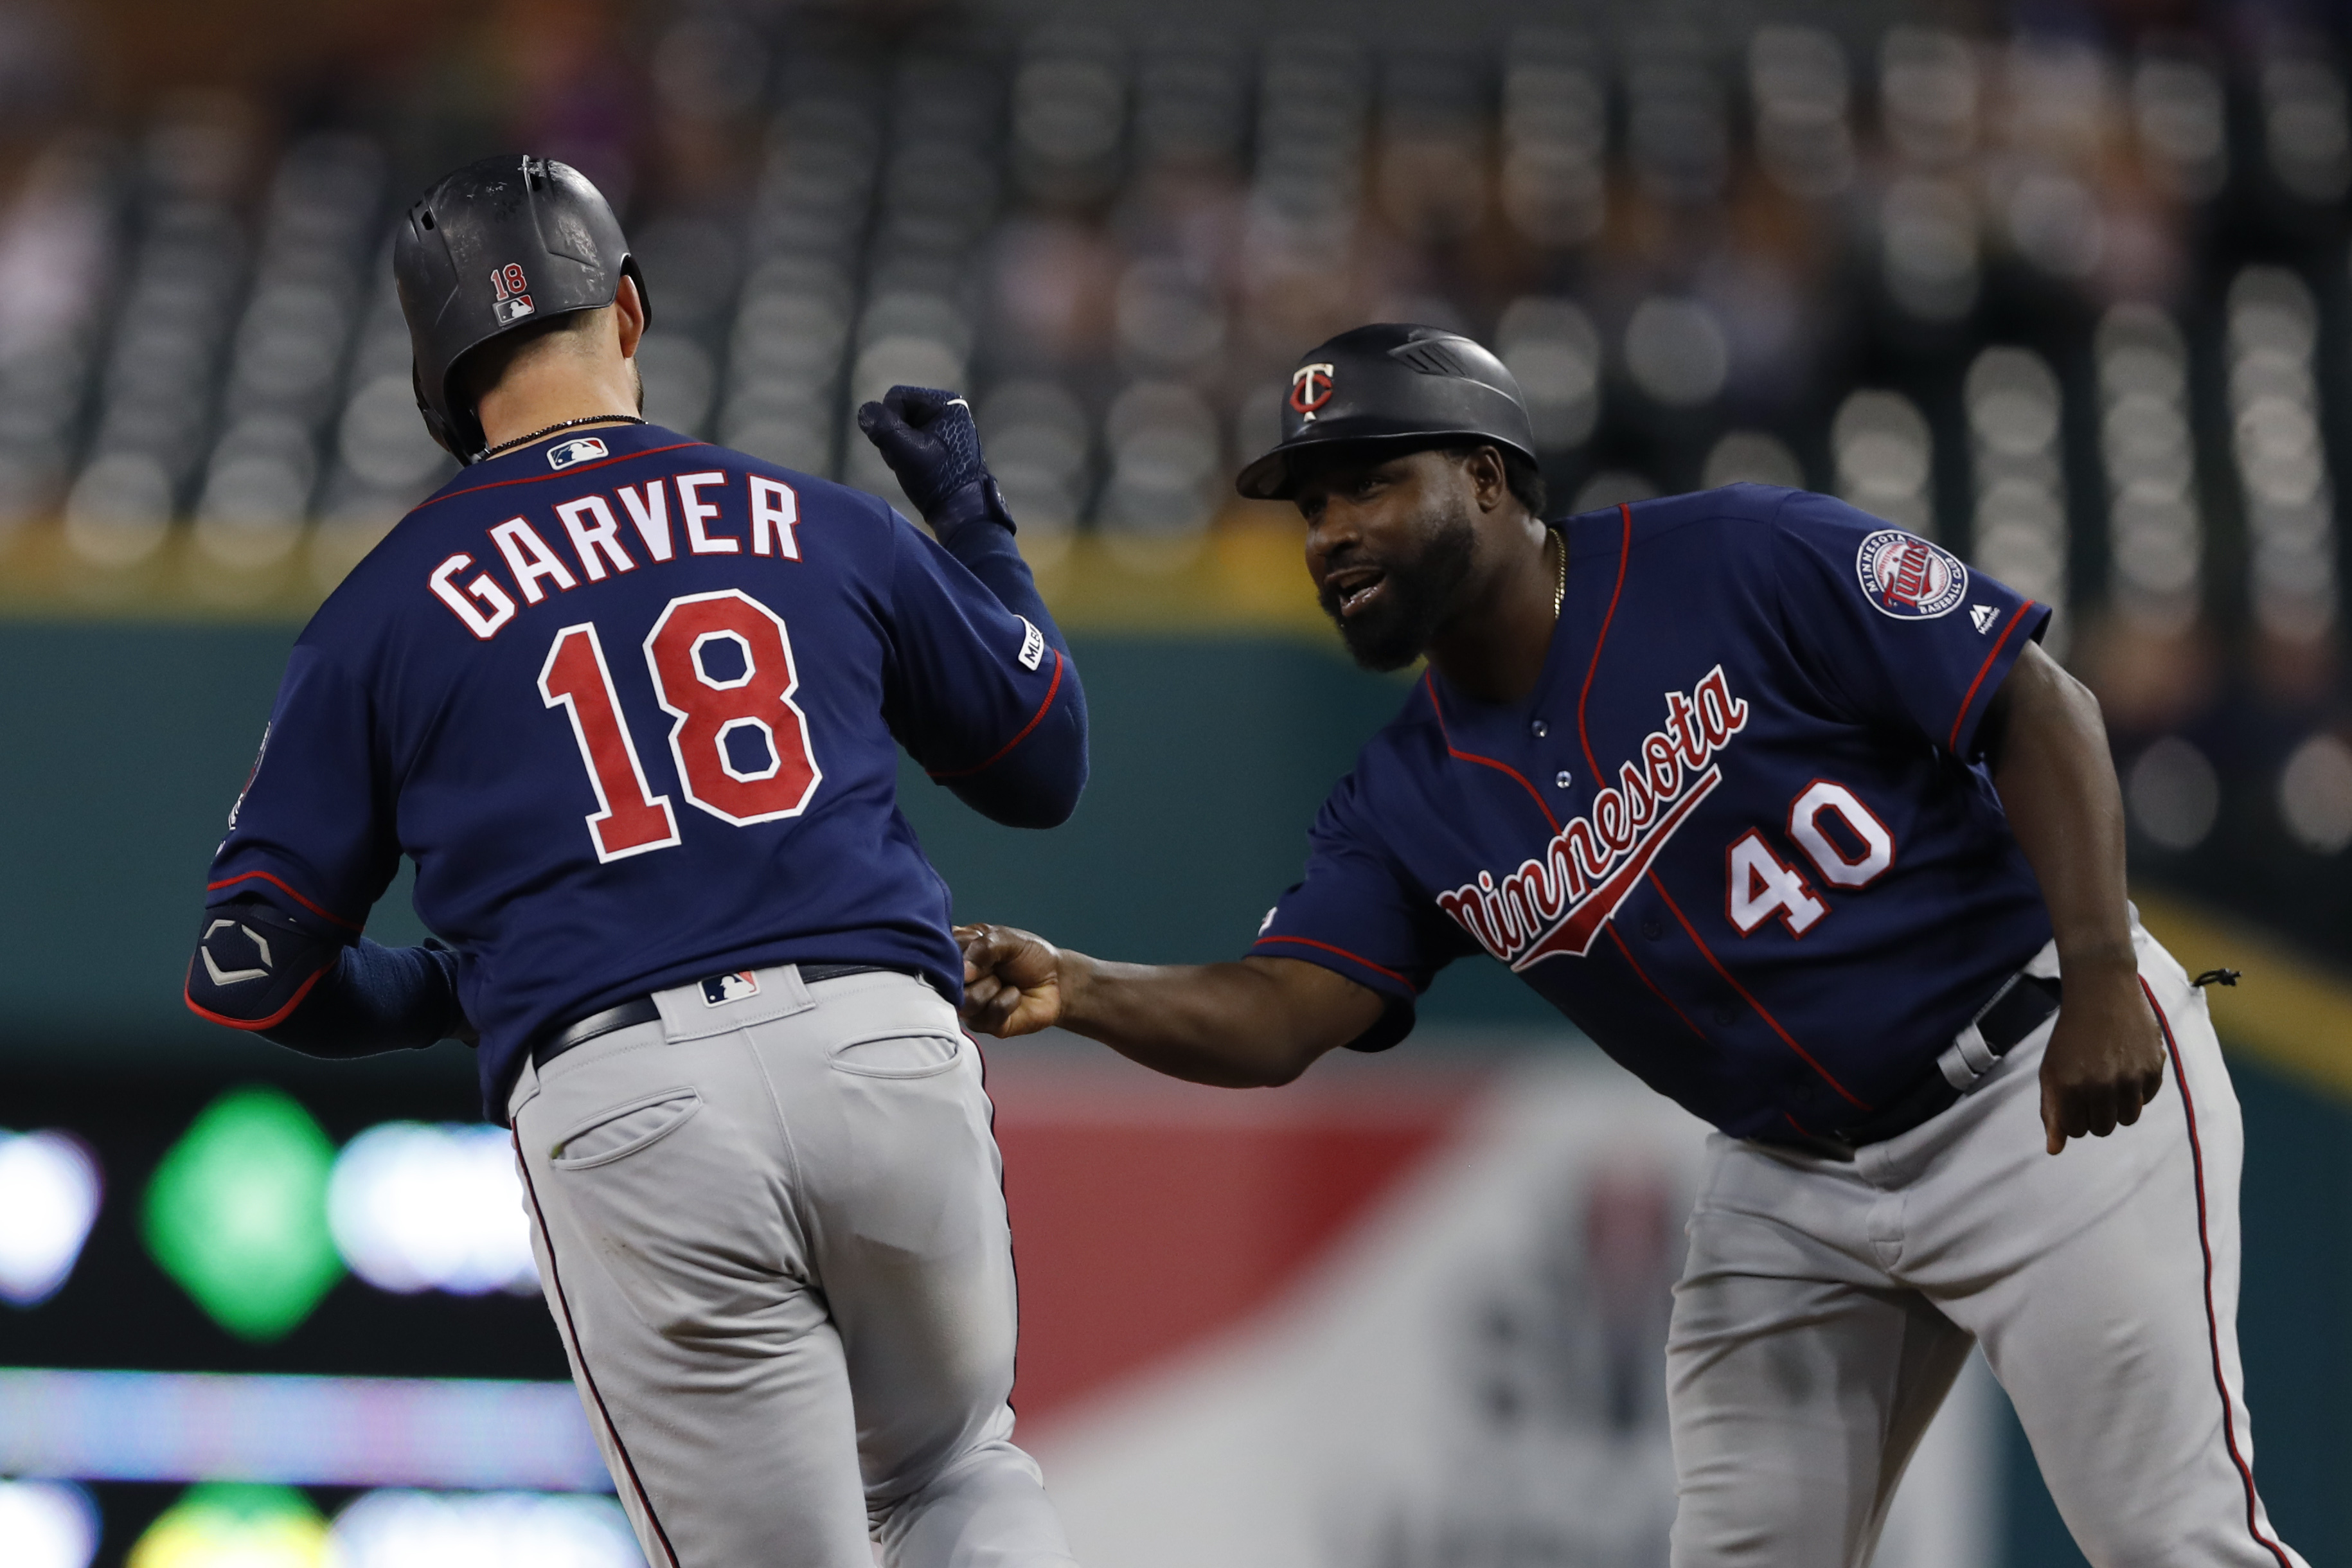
1392 386
499 245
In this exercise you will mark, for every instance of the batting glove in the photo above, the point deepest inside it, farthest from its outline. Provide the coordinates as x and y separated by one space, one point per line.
928 439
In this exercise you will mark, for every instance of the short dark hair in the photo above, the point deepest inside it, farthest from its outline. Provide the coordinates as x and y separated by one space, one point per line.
1525 480
483 366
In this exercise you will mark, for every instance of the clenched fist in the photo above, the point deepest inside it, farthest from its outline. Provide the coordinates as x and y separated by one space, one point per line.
1013 982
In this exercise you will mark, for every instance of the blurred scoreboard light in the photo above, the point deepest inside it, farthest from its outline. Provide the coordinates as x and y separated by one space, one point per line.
47 1524
49 1191
497 1530
241 1526
418 1207
454 1433
234 1526
236 1213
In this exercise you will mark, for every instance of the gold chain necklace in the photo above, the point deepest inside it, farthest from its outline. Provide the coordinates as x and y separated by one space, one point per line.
1559 583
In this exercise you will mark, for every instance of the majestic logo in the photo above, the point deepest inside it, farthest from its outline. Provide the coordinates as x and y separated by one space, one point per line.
1983 616
724 988
1908 578
512 300
1555 905
579 451
1310 389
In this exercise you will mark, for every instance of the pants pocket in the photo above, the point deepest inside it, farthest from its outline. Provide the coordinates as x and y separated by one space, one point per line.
620 1131
899 1054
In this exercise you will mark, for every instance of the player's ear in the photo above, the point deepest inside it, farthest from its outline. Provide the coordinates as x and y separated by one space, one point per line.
629 315
1490 480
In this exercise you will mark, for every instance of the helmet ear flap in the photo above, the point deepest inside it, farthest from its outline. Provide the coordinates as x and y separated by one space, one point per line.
434 425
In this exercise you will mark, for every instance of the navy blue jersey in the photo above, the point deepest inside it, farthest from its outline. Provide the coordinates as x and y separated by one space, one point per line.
1741 832
632 705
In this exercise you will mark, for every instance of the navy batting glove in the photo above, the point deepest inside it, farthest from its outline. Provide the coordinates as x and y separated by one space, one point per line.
928 439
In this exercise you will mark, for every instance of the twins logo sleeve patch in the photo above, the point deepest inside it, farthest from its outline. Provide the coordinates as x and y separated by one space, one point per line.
1905 576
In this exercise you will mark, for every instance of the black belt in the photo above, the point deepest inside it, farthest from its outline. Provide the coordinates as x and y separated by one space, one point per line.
641 1010
2017 1009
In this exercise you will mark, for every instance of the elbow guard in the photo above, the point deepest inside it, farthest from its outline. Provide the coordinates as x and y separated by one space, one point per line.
255 961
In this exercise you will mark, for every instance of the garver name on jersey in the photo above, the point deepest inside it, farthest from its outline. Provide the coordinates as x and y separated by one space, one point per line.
593 527
1555 905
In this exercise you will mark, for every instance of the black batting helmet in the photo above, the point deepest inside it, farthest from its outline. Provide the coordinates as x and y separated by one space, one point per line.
498 245
1392 386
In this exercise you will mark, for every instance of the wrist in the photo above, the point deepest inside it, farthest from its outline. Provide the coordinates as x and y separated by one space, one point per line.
2105 958
969 503
1076 974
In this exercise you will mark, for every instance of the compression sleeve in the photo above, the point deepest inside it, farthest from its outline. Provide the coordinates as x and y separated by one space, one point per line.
266 963
983 692
376 999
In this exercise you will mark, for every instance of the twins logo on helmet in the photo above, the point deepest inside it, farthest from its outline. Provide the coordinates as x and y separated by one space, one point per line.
1905 576
1310 388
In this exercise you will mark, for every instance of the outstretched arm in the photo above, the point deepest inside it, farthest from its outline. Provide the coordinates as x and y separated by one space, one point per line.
2057 783
1257 1022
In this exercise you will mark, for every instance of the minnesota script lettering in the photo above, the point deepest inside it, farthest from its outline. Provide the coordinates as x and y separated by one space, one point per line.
1556 904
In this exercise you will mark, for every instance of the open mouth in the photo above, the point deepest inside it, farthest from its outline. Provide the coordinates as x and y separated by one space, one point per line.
1349 589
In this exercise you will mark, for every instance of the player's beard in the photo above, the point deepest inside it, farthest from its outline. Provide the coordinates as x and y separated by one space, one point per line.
1417 597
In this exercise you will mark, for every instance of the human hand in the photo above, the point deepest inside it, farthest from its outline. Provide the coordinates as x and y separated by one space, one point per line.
2104 1062
1013 982
928 437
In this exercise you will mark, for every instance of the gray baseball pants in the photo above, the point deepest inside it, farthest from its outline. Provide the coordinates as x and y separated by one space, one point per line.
771 1231
1826 1307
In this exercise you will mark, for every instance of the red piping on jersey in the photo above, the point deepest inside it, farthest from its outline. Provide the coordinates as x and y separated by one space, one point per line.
1786 1039
1624 554
271 1022
571 1332
1034 720
279 883
2212 1320
1352 958
2000 642
1430 685
1642 975
558 474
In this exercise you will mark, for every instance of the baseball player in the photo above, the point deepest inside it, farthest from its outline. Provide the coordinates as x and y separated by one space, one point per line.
633 706
1786 809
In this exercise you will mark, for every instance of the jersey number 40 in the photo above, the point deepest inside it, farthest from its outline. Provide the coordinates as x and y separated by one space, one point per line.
1759 884
710 709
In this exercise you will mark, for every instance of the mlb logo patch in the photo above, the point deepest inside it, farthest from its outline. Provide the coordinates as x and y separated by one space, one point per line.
1905 576
1033 645
735 987
580 451
510 302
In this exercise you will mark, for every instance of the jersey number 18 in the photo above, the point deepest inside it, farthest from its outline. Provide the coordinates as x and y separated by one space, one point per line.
630 819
